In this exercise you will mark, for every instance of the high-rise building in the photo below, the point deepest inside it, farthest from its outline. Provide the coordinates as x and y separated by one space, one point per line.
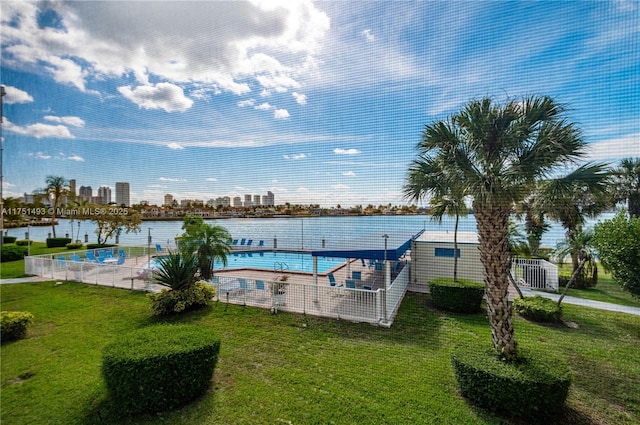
237 201
168 200
247 201
104 195
269 199
256 200
72 189
86 193
122 194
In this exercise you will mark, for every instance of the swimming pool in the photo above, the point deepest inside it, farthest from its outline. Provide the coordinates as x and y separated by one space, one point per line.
293 261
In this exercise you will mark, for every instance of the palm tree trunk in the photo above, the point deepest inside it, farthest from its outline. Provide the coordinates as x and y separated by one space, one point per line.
455 249
575 274
493 225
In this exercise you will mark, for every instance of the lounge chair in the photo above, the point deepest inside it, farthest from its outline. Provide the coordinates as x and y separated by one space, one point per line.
332 281
91 257
244 286
121 253
350 284
120 261
242 241
261 244
363 263
62 263
235 242
249 242
76 258
260 285
356 275
158 248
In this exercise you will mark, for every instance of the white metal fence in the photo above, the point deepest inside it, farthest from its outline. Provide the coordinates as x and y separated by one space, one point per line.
359 305
535 273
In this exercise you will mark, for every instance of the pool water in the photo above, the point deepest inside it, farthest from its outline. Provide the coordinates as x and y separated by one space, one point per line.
275 260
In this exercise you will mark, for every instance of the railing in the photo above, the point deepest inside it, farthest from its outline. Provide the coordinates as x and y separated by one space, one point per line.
535 273
395 293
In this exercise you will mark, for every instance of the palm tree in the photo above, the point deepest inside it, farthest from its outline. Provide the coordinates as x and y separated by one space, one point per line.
425 178
627 187
534 223
57 187
582 249
572 198
209 242
495 154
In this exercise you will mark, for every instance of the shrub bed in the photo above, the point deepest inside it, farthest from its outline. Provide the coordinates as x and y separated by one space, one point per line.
8 239
538 309
462 296
14 324
23 242
57 242
534 385
12 253
170 301
74 245
160 367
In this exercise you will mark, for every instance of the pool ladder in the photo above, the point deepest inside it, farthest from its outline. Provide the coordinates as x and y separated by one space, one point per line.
280 266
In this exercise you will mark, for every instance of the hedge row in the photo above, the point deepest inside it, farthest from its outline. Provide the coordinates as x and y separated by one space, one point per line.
535 385
461 296
57 242
12 253
14 324
8 239
160 367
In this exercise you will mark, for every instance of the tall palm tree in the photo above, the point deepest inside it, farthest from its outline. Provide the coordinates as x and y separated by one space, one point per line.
424 179
495 154
572 198
627 187
209 242
579 247
57 188
534 222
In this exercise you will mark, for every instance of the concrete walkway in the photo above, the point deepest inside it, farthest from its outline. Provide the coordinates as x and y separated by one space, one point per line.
584 302
25 279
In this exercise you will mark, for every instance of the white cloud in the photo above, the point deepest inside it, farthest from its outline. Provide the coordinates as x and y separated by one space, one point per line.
168 41
165 96
168 179
300 98
74 121
340 151
15 95
39 130
39 155
622 147
263 106
76 158
248 102
295 156
211 179
281 114
349 174
340 187
367 34
175 146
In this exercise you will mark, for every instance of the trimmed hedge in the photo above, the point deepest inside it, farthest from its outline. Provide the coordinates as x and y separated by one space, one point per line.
534 385
99 245
462 296
14 324
170 301
12 253
23 242
74 245
57 242
159 368
538 309
8 239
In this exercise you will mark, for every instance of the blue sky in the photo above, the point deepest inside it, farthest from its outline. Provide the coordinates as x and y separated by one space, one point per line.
318 102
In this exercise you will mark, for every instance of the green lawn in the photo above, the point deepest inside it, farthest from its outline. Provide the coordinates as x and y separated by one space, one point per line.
303 370
607 290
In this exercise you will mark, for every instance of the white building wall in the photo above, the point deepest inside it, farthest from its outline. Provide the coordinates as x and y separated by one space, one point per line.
425 265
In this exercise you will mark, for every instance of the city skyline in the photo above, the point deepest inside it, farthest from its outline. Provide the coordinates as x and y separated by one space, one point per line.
317 102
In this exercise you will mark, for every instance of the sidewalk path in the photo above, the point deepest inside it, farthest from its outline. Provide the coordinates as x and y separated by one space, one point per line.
25 279
584 302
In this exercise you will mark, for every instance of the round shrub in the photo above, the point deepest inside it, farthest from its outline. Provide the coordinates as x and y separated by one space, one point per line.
461 296
23 242
74 245
538 309
14 324
536 384
160 367
170 301
12 253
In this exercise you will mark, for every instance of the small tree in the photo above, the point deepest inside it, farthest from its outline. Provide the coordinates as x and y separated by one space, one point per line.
580 247
618 244
108 225
208 242
57 188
